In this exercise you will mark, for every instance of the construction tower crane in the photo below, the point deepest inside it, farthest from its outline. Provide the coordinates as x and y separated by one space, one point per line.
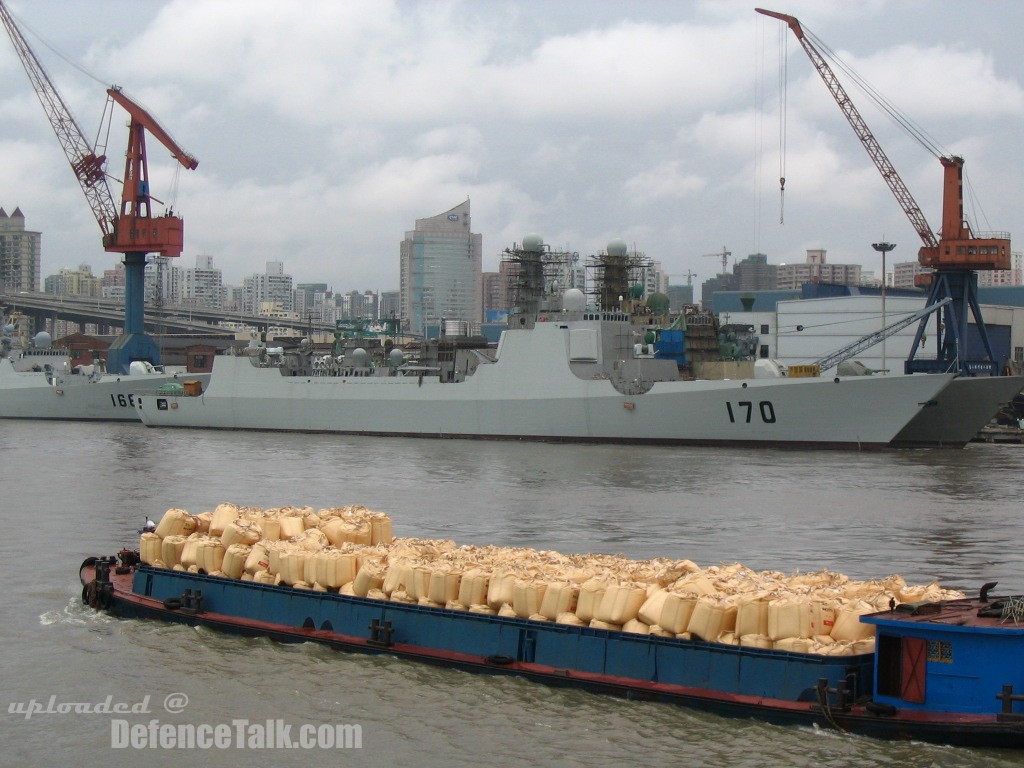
954 255
724 256
688 274
131 228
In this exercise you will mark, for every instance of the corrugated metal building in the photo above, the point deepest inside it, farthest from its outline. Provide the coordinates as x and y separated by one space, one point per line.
824 318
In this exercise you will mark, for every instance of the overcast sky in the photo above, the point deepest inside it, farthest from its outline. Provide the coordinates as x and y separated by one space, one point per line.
325 128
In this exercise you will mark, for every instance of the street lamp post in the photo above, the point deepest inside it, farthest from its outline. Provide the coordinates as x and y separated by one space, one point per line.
883 248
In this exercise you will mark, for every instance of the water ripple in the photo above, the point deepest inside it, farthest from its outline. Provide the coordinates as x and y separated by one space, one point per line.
946 515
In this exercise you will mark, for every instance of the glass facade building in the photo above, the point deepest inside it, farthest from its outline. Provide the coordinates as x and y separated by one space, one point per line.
441 265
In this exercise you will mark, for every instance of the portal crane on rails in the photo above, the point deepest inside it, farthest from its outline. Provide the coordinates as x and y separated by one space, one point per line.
131 228
954 255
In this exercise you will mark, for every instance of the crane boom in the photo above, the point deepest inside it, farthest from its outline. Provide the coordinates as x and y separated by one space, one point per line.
142 116
860 127
88 167
957 247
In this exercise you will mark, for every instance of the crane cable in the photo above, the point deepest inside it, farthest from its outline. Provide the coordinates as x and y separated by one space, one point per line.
977 212
759 81
103 130
918 133
56 51
783 79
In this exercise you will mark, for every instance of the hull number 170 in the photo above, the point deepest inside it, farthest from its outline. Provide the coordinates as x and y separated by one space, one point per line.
743 411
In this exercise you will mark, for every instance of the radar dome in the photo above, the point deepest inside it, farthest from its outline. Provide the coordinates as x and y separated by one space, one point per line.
396 357
42 340
617 247
532 242
658 303
573 300
358 356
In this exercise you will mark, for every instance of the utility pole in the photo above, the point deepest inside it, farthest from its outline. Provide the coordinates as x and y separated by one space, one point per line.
883 248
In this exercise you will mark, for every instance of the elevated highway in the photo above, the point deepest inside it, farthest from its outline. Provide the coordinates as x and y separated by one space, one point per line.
109 315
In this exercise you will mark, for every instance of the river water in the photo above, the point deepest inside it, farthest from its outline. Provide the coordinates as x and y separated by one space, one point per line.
74 490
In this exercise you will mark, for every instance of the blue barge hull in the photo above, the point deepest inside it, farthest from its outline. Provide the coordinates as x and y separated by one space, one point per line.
770 685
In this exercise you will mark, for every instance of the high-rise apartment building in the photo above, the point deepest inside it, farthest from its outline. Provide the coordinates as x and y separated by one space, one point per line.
112 284
202 285
904 273
390 305
1012 276
79 282
815 269
162 281
20 254
273 287
309 299
653 278
754 273
495 295
441 267
360 306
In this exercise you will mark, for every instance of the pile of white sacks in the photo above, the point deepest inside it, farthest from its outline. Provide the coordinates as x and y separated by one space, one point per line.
352 550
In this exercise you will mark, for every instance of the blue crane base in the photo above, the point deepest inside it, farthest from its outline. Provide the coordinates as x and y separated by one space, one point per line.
952 339
133 344
129 347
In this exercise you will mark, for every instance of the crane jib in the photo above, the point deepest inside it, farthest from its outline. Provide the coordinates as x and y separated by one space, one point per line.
958 247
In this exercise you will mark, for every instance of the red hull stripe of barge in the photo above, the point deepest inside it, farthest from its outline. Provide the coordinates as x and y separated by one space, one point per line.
940 727
453 658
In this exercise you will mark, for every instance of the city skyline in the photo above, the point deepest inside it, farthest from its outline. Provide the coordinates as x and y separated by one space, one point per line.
657 123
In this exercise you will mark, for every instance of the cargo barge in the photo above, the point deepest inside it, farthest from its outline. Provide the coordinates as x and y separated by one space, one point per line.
944 671
730 680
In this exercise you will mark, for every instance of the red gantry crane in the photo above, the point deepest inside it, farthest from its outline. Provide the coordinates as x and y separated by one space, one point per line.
954 255
131 229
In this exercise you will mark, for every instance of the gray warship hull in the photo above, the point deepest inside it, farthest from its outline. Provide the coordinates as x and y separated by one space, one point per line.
556 381
959 412
59 395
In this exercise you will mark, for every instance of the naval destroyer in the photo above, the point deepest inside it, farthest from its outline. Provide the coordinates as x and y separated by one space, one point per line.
562 371
38 381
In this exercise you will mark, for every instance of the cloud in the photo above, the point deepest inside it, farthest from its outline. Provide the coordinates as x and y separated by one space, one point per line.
324 133
669 181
